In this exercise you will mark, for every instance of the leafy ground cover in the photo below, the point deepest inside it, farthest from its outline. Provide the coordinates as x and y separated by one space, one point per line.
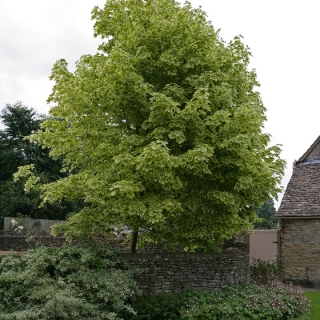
89 281
247 301
92 282
314 297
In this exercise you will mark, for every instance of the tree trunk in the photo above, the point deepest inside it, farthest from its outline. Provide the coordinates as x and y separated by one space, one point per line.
133 241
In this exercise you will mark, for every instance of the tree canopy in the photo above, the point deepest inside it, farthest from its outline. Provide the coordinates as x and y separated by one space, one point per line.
266 215
161 130
18 122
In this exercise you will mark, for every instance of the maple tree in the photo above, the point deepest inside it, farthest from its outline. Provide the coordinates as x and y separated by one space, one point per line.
161 130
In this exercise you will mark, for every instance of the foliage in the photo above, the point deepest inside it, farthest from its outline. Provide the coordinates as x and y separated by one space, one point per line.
20 121
16 226
14 201
161 130
314 297
72 282
266 273
266 216
161 307
246 302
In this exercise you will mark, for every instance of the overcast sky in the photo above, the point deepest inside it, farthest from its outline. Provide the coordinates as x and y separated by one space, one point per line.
283 37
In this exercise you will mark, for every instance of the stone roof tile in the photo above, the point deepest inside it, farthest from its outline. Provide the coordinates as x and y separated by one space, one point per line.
302 195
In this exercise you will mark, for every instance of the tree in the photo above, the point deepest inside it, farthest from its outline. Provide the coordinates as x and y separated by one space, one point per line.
266 214
18 122
161 129
15 150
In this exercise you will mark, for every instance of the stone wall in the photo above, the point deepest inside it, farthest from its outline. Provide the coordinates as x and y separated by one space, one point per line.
10 240
22 242
177 272
161 271
300 251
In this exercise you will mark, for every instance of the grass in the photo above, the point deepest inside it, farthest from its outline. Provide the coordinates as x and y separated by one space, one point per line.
314 297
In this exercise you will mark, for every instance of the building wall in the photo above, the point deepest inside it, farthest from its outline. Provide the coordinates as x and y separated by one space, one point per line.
300 251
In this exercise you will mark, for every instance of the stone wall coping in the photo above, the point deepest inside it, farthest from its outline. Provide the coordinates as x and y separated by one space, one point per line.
228 253
159 255
262 231
298 217
45 234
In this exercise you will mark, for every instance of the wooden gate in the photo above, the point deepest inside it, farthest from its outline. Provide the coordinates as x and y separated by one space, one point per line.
263 244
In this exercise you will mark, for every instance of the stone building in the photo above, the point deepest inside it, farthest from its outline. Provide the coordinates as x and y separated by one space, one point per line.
299 217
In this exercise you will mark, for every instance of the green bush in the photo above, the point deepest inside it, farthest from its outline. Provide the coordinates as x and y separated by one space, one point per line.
88 281
266 273
160 307
246 302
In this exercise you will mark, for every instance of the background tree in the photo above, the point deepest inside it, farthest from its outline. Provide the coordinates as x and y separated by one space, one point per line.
18 122
266 214
161 129
15 150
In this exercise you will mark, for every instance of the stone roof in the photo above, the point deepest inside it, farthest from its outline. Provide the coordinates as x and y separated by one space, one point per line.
313 153
302 196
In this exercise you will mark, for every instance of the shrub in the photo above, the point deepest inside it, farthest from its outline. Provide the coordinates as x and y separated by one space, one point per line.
266 273
246 302
88 281
160 307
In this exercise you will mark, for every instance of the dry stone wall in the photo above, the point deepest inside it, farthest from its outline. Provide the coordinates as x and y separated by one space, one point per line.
160 271
23 241
300 251
10 240
177 272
